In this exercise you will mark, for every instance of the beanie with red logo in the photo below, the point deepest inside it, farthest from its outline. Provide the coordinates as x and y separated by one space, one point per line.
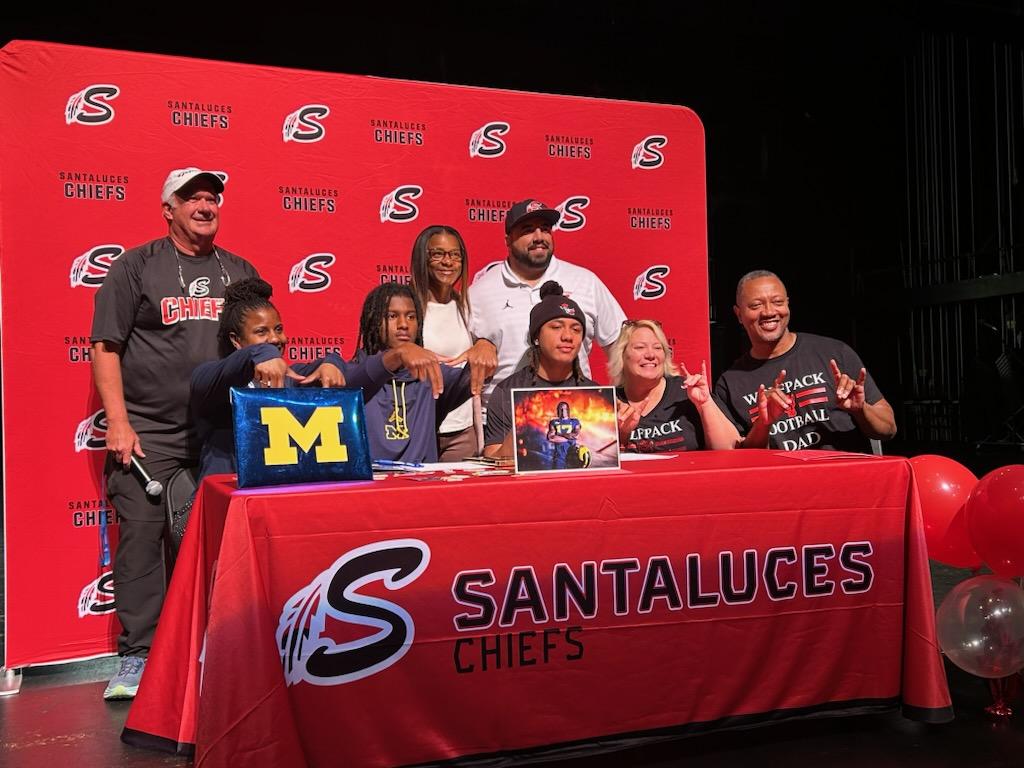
553 305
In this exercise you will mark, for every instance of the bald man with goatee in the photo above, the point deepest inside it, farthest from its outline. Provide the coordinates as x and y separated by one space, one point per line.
828 398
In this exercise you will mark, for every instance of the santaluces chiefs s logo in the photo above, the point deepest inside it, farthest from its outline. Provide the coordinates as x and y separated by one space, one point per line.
310 274
303 124
650 284
89 269
397 205
89 106
486 141
97 597
572 213
91 434
309 653
647 154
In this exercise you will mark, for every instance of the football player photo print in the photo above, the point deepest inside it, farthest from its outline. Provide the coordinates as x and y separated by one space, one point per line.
565 429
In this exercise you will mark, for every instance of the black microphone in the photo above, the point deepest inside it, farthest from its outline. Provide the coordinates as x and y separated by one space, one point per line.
153 487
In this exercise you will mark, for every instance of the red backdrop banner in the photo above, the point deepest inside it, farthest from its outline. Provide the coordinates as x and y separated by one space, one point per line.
329 179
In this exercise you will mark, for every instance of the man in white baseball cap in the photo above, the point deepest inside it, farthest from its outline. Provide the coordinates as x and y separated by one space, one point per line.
156 318
181 177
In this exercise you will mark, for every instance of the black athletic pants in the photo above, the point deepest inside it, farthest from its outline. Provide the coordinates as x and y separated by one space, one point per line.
139 578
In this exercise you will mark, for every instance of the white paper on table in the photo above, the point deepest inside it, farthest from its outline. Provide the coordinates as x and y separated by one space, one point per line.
645 456
451 466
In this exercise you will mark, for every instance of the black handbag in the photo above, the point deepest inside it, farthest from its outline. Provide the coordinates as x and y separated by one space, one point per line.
179 495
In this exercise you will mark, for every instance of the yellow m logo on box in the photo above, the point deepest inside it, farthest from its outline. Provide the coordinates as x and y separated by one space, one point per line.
284 428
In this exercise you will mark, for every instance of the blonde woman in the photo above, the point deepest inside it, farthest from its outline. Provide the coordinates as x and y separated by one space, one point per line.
664 407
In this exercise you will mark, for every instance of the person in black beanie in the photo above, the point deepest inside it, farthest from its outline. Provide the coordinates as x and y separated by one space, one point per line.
557 329
503 293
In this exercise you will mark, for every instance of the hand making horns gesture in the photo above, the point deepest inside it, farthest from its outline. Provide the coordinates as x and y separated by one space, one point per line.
849 393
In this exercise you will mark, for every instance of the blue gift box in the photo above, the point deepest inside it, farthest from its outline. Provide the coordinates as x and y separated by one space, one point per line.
300 435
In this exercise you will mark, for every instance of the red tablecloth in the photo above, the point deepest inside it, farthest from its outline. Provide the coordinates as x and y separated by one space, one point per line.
403 621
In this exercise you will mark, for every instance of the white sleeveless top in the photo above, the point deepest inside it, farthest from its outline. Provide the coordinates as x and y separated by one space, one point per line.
445 333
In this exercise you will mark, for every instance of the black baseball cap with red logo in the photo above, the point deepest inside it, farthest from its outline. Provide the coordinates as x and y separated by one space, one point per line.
524 209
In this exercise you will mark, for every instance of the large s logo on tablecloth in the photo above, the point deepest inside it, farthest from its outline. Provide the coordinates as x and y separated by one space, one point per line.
307 654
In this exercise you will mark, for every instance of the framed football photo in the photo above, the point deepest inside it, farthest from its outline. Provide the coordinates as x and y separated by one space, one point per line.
565 430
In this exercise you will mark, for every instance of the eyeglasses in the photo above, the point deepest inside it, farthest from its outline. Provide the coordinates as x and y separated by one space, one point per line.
631 323
436 255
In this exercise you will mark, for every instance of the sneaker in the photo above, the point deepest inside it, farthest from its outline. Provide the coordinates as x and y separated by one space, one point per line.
125 684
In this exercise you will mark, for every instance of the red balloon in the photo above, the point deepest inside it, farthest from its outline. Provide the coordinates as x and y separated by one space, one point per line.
943 486
995 520
955 548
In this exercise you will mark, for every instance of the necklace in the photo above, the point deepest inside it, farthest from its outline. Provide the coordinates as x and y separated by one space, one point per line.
224 276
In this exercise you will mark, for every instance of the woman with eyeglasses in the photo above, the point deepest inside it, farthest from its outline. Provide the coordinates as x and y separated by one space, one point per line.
661 410
439 268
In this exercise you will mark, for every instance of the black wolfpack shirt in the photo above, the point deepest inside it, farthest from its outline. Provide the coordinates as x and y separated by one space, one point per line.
817 423
164 333
673 425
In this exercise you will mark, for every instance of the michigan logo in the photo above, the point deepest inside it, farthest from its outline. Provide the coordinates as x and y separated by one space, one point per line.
572 213
97 597
310 654
302 125
283 429
89 106
487 142
647 154
397 205
310 275
650 283
91 434
89 269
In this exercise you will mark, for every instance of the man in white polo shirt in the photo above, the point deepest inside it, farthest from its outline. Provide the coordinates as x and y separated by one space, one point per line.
501 297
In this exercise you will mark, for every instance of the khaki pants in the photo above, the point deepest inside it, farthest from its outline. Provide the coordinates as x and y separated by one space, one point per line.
457 446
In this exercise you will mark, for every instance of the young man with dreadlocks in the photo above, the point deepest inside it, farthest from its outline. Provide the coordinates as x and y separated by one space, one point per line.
251 341
403 417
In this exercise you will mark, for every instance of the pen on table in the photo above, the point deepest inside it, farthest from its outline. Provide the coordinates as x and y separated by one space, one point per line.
397 464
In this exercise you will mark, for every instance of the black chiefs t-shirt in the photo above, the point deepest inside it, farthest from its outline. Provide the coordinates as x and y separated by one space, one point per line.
164 333
817 423
673 425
